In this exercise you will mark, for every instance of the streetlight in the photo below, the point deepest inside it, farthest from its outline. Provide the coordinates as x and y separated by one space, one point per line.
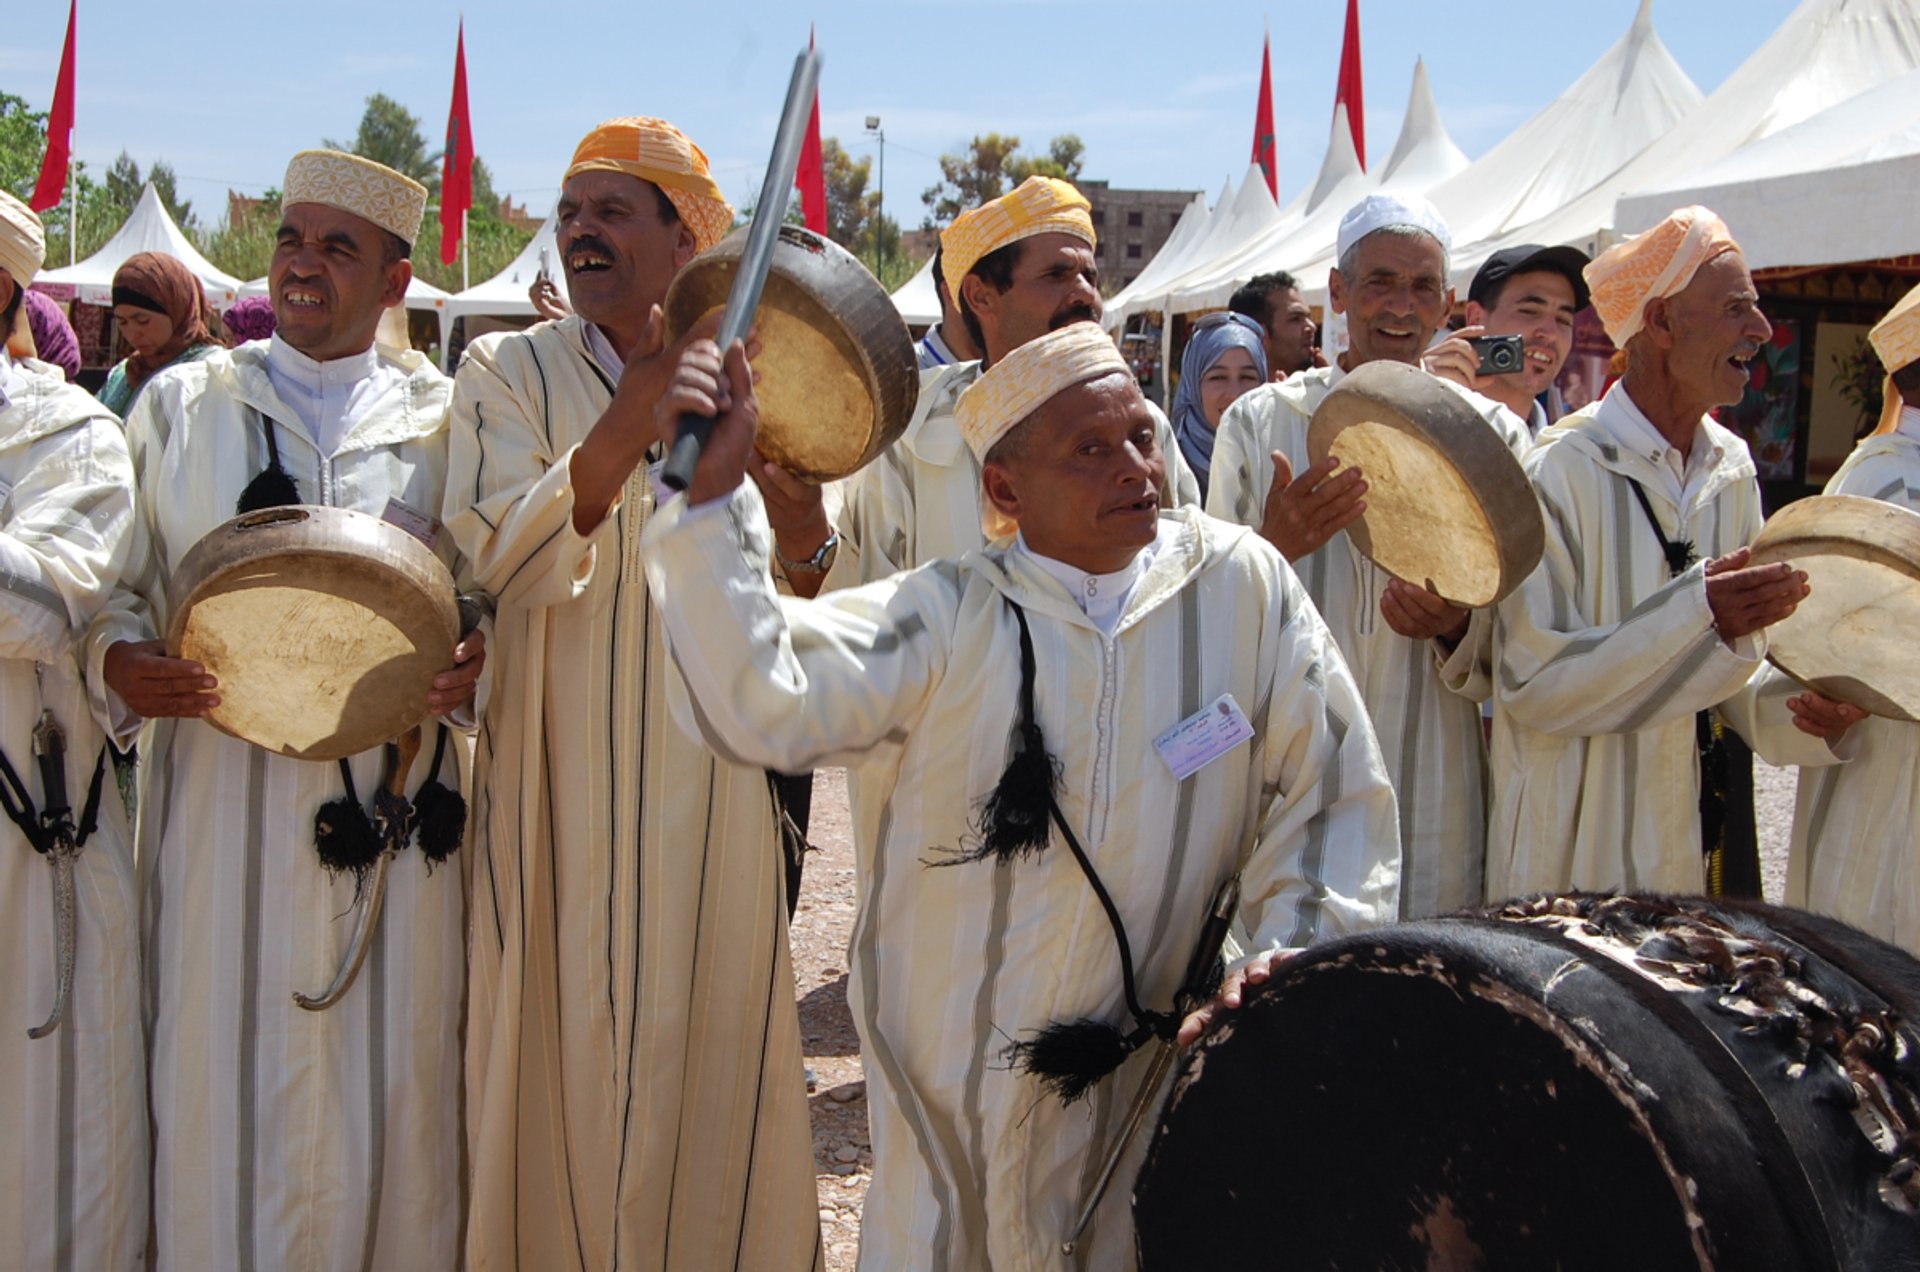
879 221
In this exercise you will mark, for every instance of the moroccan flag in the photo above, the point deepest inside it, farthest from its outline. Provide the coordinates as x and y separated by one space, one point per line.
456 177
53 169
811 174
1348 92
1263 122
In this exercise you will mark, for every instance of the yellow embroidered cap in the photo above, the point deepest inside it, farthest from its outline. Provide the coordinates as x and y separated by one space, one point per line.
23 242
1896 338
654 150
1019 384
1040 205
1652 266
372 191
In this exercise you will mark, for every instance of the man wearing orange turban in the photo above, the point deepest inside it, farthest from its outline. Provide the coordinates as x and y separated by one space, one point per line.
634 1087
1644 615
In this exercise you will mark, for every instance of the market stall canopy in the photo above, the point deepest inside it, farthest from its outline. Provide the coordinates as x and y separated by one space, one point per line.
917 300
1836 188
147 228
1824 53
505 294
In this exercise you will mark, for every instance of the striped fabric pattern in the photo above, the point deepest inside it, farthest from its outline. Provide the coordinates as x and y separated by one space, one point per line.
635 1095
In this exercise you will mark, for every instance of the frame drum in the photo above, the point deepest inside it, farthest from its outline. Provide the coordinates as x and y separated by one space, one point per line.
1849 638
840 377
325 628
1446 500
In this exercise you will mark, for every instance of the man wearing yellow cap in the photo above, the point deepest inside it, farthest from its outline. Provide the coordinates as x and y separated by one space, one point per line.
73 1136
1421 663
635 1095
286 1138
1155 685
1644 612
1853 824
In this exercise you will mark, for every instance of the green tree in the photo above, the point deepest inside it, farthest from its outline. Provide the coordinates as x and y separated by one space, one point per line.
988 166
124 183
23 143
390 134
1064 156
242 244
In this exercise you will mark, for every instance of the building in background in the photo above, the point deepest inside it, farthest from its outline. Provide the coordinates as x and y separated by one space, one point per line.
1131 225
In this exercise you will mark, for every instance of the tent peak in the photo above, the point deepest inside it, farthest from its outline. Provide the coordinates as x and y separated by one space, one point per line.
1424 153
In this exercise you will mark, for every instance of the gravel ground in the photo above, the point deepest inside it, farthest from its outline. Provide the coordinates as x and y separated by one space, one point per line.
842 1152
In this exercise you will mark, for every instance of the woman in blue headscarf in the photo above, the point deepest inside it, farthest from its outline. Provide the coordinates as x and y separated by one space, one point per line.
1224 359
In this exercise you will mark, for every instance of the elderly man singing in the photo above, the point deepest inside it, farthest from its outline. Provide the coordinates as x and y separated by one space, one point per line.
1421 663
1644 613
635 1095
1079 732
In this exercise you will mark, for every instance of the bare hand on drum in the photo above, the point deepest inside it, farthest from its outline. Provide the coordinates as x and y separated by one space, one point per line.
1303 514
1822 717
1745 599
1454 359
1420 613
454 688
703 384
155 686
797 514
1228 997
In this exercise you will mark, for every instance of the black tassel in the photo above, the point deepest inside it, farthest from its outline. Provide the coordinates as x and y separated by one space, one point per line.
344 833
439 812
271 488
1015 819
1070 1058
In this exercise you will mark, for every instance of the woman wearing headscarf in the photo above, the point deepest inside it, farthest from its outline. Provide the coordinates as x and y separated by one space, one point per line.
250 318
1224 359
161 313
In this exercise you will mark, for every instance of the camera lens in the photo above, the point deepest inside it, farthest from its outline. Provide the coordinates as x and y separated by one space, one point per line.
1505 358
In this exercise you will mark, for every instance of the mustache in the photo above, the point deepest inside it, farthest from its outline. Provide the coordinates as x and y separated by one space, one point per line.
587 242
1078 312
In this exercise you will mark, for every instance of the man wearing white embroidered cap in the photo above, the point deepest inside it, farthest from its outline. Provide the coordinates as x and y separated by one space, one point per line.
285 1138
1422 664
1123 648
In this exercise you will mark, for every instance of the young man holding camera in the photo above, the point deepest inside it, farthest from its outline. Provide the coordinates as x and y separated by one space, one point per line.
1529 295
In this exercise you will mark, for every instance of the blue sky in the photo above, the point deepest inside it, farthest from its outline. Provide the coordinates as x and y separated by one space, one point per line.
1161 93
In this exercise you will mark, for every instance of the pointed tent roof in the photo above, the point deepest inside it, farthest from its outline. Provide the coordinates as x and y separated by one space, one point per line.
918 300
1251 216
1425 155
1191 225
1825 52
1840 186
1167 264
147 228
505 294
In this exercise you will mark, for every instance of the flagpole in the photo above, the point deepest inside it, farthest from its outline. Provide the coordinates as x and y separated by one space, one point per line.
73 213
463 250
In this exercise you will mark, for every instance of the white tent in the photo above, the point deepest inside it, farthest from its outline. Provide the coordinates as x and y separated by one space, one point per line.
1825 52
917 300
421 294
1250 216
1196 225
1841 186
147 228
505 294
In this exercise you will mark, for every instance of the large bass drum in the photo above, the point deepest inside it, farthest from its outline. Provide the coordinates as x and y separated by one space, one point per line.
1566 1082
839 377
324 627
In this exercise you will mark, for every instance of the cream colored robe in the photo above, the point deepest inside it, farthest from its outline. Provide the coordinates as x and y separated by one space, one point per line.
73 1121
284 1138
1855 851
635 1096
915 679
1423 700
1602 662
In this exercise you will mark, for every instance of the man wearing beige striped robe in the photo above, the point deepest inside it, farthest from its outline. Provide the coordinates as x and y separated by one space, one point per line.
73 1121
635 1096
1203 723
1422 665
283 1138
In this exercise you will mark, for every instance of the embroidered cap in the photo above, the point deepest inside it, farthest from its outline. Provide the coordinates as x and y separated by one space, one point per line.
372 191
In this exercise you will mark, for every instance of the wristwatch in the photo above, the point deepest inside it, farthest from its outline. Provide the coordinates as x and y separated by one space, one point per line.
819 563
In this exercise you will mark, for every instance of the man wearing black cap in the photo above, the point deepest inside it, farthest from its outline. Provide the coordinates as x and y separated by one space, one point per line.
1528 291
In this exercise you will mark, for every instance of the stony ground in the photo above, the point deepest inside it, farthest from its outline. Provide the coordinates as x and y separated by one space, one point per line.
842 1154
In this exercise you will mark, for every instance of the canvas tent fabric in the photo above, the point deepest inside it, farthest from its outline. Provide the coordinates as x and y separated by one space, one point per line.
505 294
1839 187
917 300
147 228
1824 53
1196 225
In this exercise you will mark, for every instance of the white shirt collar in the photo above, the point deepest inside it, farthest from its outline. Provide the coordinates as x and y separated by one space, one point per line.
1633 430
1102 597
935 351
602 350
1909 425
324 395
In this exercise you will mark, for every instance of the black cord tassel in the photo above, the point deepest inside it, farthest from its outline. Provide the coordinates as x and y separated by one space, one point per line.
1014 820
1069 1059
271 486
345 835
441 812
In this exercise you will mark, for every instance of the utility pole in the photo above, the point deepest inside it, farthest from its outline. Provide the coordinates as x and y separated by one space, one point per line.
880 220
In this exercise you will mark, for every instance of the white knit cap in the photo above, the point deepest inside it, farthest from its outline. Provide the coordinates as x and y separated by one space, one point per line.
1378 211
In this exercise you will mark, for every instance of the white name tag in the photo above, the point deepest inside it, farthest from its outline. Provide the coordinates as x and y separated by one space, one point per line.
1203 737
418 524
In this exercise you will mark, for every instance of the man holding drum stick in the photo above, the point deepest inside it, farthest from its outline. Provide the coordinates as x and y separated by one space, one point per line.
289 1138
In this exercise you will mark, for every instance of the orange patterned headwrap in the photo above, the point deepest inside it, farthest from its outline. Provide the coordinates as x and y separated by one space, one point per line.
1040 205
1653 266
654 150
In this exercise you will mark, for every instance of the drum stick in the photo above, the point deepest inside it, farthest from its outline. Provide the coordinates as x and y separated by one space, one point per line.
744 297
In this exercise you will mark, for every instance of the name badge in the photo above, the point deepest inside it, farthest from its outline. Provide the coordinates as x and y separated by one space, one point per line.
1203 737
418 524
